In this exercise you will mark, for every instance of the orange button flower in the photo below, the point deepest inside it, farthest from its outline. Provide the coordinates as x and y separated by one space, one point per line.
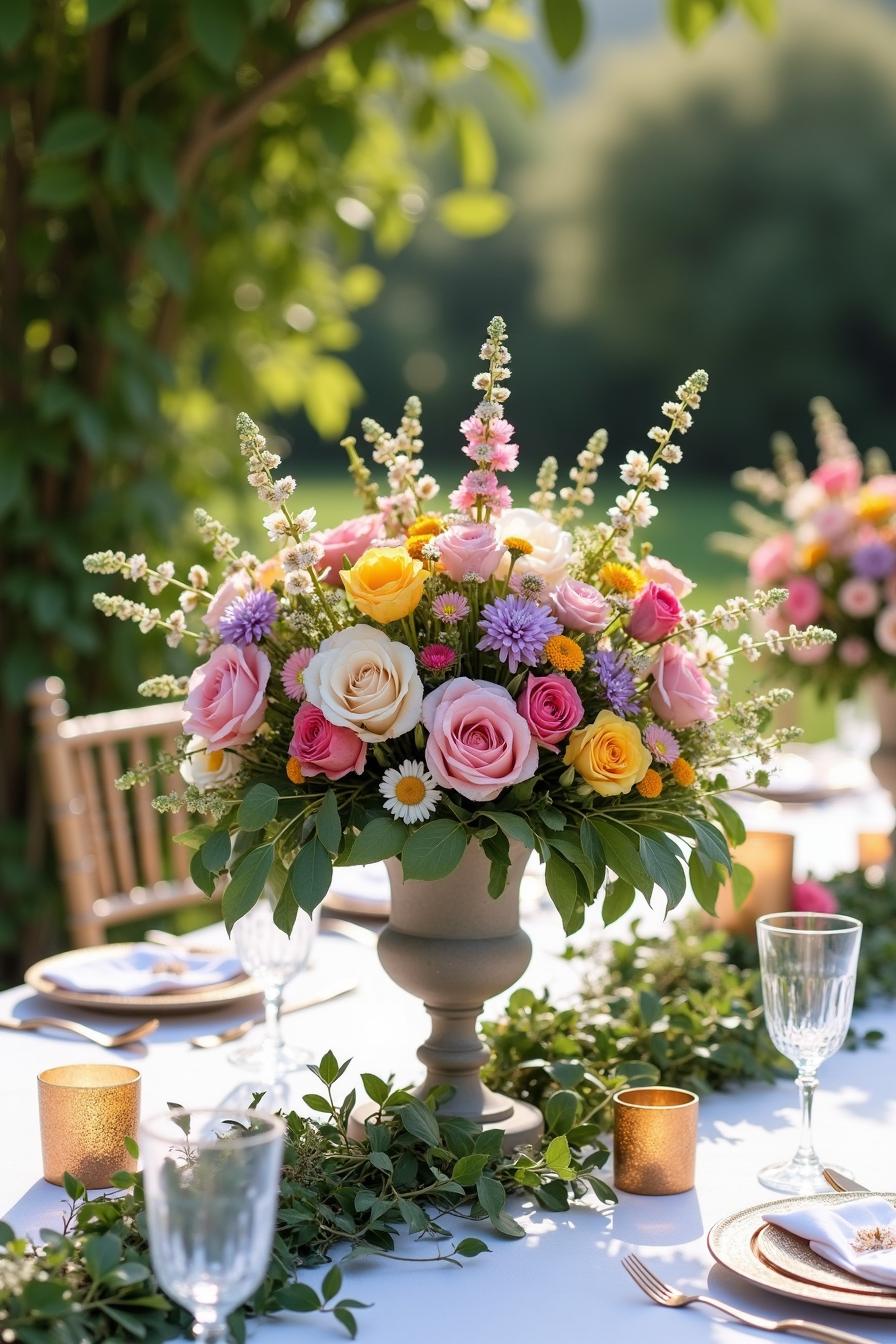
386 584
608 754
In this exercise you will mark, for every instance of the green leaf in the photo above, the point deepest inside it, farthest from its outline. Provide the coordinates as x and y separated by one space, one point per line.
475 148
382 1162
132 1148
741 884
621 849
376 1089
346 1320
433 850
327 823
286 910
619 897
72 133
662 860
467 1170
732 822
564 21
59 185
764 13
101 11
513 826
215 851
171 260
650 1006
711 844
413 1216
470 1247
15 20
691 19
419 1121
491 1196
101 1254
562 887
298 1297
72 1186
557 1155
474 214
218 28
380 839
258 807
194 838
246 884
310 875
560 1111
332 1283
157 179
704 885
201 876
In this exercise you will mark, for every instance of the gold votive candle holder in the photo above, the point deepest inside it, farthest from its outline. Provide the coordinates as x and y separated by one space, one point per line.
769 857
875 849
655 1140
86 1113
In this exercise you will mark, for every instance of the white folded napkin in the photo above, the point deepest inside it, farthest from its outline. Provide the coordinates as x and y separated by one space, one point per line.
838 1233
144 969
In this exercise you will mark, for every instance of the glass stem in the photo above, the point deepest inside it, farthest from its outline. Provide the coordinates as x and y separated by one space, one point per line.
208 1329
273 1001
805 1153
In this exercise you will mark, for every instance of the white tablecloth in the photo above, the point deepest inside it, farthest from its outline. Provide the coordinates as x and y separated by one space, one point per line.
565 1278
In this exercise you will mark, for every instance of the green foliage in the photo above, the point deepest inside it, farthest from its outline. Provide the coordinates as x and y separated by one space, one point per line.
412 1170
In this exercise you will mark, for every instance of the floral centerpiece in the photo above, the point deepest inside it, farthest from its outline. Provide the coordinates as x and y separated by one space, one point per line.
450 689
829 537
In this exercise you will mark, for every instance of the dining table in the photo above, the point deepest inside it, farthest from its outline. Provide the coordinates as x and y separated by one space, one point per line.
565 1278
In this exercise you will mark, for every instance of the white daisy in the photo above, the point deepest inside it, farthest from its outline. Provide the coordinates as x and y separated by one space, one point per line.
410 792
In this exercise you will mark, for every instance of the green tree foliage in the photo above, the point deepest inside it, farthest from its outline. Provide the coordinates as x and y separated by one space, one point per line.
733 210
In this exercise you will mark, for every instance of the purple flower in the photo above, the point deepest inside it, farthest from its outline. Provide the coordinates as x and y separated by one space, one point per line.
248 619
874 560
662 745
449 608
517 630
617 681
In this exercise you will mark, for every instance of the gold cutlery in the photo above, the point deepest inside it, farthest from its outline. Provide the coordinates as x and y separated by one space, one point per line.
103 1038
209 1041
842 1184
666 1296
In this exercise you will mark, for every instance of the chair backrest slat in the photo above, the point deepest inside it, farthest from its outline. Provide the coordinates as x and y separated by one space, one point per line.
117 817
177 821
146 817
95 821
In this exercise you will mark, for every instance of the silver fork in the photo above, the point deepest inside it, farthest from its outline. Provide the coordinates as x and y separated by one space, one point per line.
103 1038
667 1296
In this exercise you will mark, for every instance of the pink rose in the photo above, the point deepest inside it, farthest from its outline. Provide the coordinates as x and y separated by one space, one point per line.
859 597
478 744
552 708
655 613
804 601
680 693
351 538
237 585
580 606
832 522
813 898
838 476
470 548
853 651
770 562
323 749
225 698
669 575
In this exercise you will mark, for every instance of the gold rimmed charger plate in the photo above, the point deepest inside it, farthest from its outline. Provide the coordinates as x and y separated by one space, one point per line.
773 1259
204 999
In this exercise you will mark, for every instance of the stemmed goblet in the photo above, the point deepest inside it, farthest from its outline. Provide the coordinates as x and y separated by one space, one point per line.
212 1182
808 966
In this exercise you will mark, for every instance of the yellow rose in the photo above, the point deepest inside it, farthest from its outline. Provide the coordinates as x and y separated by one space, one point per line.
385 584
608 754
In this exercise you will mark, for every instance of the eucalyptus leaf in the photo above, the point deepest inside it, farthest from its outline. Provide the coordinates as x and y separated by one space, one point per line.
433 850
310 875
246 884
380 839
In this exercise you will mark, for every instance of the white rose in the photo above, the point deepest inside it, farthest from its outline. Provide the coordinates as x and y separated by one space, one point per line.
361 679
551 545
207 769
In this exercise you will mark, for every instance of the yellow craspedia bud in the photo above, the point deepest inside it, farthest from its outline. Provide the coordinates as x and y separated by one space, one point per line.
873 506
651 786
812 554
608 754
414 545
683 772
386 584
294 771
564 654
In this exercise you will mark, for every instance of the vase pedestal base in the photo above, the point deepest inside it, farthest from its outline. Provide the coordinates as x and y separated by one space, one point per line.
522 1126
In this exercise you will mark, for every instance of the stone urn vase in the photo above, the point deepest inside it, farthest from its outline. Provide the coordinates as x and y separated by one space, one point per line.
883 761
450 944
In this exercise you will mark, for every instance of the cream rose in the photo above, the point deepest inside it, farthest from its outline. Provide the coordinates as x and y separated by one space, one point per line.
208 768
361 679
551 545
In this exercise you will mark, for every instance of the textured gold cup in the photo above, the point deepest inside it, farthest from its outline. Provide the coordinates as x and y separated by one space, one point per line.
654 1140
86 1113
769 857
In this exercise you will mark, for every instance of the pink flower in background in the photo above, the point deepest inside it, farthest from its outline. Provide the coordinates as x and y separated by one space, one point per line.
680 693
885 629
436 657
470 548
551 706
853 651
655 613
478 744
858 597
839 476
771 560
293 673
351 538
236 585
225 697
580 606
813 898
804 601
669 575
815 653
832 521
323 749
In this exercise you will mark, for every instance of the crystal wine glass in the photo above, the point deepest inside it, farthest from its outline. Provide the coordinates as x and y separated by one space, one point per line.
808 980
212 1181
272 958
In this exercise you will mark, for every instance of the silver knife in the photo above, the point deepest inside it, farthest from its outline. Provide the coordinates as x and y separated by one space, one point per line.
209 1041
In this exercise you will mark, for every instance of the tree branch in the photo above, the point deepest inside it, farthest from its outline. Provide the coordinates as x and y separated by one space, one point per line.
242 116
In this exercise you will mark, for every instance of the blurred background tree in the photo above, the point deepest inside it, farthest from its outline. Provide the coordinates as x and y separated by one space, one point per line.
193 196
